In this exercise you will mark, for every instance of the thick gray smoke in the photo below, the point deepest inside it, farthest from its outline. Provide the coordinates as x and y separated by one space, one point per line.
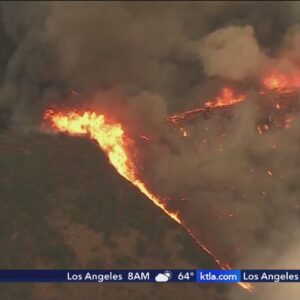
232 52
131 48
142 61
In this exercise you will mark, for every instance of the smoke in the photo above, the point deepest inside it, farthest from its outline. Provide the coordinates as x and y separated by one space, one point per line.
231 53
139 62
291 44
134 47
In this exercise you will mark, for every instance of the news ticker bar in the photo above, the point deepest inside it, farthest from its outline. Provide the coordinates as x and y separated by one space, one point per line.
160 276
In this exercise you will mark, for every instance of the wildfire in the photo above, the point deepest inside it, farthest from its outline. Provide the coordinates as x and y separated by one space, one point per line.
144 137
184 132
221 214
282 83
276 82
112 139
227 98
281 87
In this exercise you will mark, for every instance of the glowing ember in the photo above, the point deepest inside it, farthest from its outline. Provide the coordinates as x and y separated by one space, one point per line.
259 130
288 121
184 132
262 128
227 98
114 142
74 93
145 137
181 117
221 214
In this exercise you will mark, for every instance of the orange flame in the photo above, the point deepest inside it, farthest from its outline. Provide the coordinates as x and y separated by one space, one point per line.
282 83
276 81
226 98
114 142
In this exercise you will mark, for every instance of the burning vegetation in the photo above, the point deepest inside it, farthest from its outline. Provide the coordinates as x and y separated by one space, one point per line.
225 168
277 101
112 139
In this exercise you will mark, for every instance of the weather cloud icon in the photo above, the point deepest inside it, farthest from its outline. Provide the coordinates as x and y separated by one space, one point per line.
163 277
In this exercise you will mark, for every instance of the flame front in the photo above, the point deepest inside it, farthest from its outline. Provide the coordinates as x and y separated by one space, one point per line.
227 98
116 144
275 82
112 140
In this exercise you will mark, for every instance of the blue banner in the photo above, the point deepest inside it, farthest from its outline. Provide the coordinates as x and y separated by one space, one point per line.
220 276
159 276
100 276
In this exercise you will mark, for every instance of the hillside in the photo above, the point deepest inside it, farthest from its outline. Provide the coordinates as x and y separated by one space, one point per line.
64 206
